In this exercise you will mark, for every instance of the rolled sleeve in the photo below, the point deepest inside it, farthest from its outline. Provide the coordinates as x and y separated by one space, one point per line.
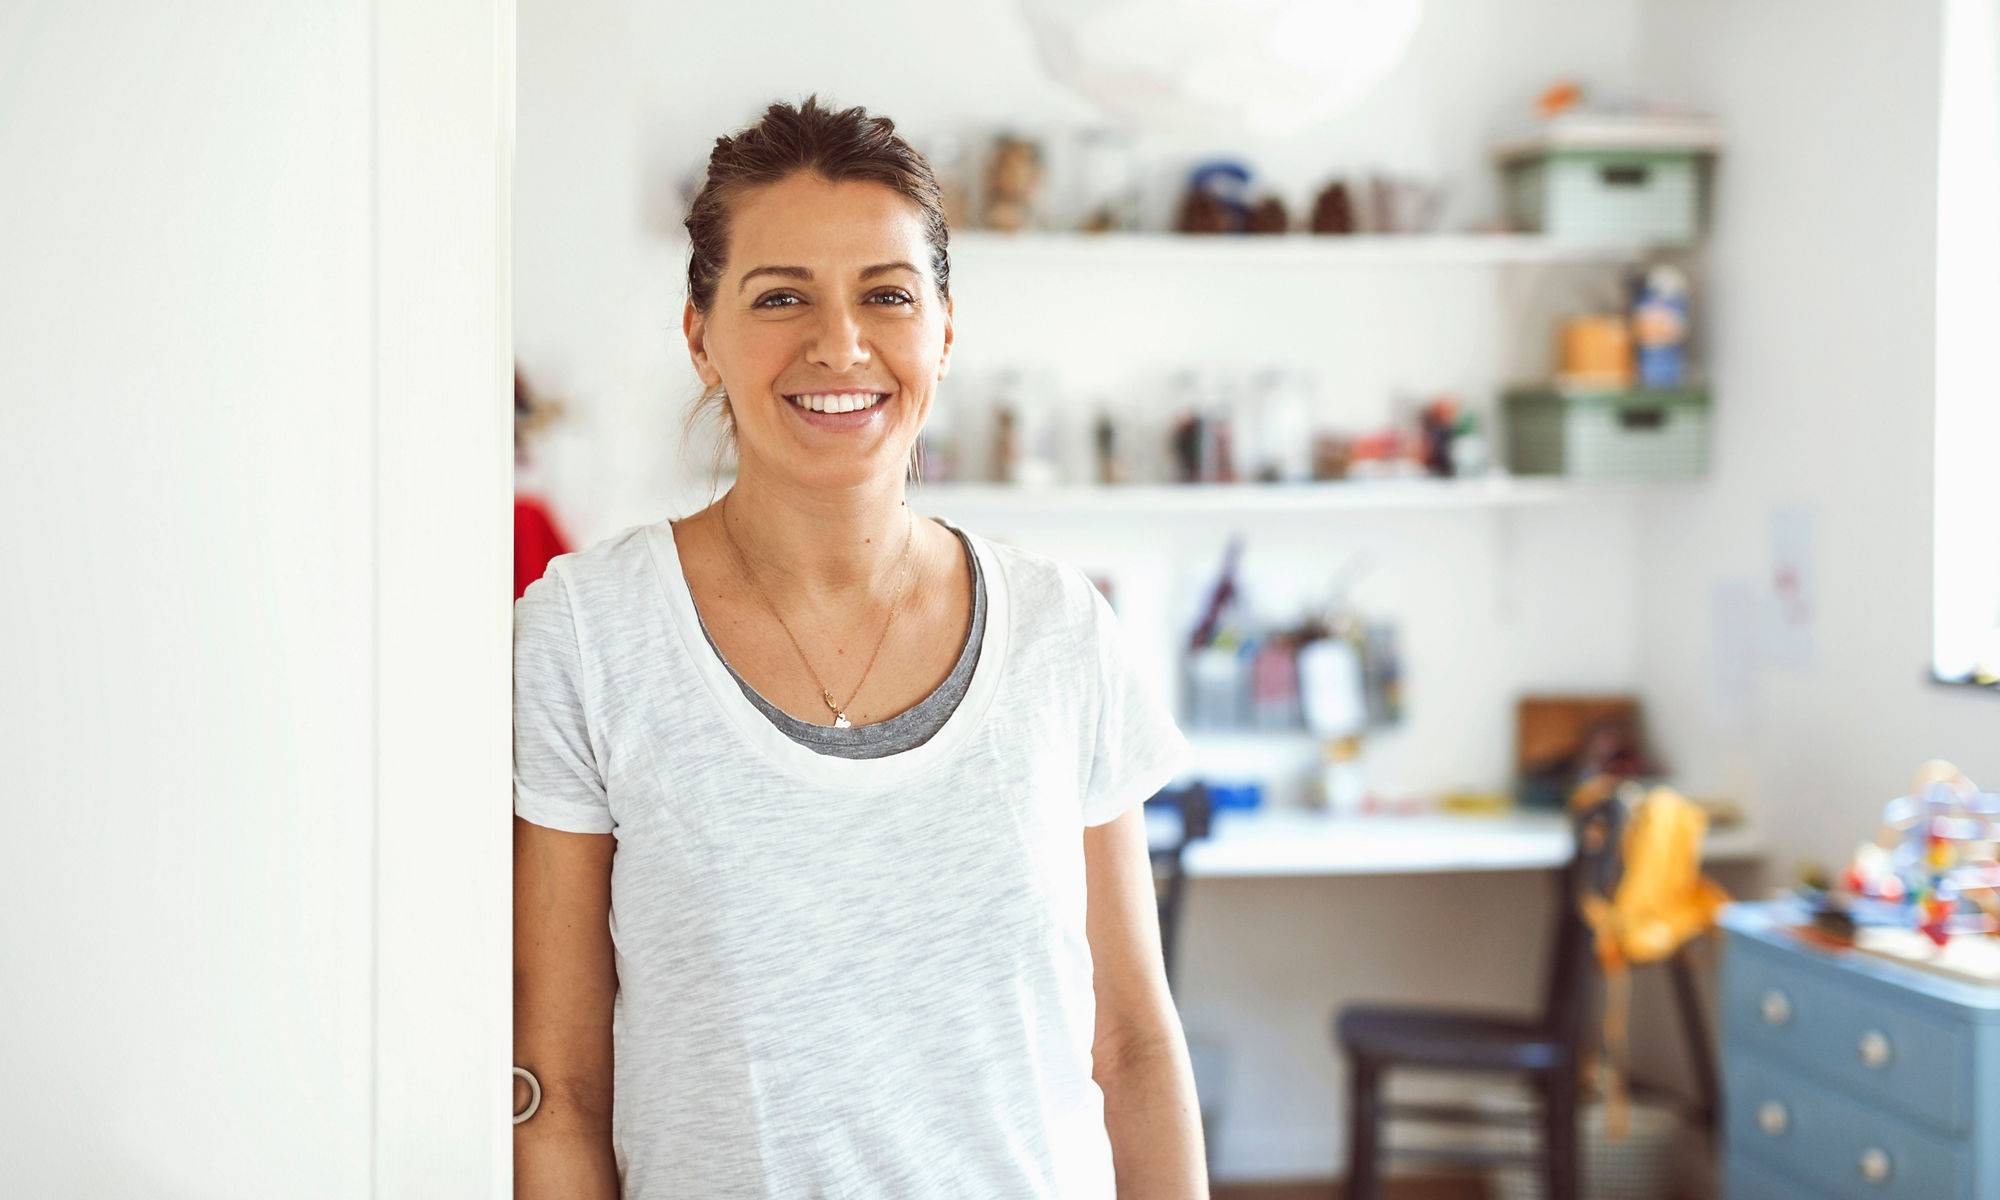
1138 749
556 778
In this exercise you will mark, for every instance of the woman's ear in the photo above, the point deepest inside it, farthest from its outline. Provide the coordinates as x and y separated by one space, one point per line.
944 355
695 326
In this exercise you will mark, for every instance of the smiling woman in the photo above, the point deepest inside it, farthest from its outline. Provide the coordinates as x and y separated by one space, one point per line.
796 174
831 875
810 327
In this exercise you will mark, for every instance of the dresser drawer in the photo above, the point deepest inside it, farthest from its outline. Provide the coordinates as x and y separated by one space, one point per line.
1851 1029
1747 1178
1799 1128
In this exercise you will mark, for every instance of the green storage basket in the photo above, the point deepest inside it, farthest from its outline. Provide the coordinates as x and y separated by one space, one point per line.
1647 196
1607 434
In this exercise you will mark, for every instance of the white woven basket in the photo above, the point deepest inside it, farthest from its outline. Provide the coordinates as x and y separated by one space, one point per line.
1645 1165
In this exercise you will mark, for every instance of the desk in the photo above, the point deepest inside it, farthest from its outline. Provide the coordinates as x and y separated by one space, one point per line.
1290 841
1292 913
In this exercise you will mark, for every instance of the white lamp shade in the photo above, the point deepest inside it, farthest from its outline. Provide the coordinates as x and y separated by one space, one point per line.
1261 67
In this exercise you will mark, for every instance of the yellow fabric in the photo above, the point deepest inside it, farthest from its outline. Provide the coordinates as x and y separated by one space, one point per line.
1662 902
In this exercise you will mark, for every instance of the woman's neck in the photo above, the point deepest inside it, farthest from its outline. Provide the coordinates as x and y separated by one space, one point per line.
803 543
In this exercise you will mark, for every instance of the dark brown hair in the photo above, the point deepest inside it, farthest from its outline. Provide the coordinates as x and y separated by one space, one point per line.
836 144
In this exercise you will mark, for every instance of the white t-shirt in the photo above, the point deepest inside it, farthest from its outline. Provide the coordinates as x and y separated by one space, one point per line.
840 977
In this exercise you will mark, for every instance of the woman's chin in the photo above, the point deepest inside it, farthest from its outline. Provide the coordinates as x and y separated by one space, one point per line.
831 451
820 470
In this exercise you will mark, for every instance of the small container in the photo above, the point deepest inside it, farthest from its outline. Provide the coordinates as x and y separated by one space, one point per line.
1595 352
1598 177
1607 434
1025 449
1333 688
1646 1164
1235 797
1274 686
1215 687
1107 177
1343 787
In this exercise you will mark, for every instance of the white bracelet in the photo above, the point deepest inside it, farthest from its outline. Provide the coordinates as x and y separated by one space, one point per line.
534 1099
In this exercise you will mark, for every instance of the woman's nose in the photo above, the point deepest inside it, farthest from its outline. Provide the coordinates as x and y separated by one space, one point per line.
837 343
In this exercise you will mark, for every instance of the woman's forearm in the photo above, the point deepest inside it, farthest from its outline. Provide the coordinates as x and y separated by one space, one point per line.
1154 1121
558 1163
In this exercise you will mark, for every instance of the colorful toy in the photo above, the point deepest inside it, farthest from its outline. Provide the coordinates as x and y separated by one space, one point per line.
1660 328
1217 199
1013 185
1935 856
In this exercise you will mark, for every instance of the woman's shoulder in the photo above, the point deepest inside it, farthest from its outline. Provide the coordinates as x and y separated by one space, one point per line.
1040 584
612 571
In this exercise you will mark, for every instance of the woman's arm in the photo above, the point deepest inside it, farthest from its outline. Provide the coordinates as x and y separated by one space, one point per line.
1140 1056
565 979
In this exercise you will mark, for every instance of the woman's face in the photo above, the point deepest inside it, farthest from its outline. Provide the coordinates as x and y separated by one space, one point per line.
826 330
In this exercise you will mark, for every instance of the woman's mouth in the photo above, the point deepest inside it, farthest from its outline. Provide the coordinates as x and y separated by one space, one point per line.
838 412
837 402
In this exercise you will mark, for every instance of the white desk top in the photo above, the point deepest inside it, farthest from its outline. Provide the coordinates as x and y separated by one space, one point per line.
1286 841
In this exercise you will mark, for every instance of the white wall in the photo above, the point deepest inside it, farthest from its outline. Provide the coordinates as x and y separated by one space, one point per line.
1822 334
193 1001
184 888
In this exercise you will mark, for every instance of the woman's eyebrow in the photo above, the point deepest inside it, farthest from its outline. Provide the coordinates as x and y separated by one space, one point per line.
787 272
803 273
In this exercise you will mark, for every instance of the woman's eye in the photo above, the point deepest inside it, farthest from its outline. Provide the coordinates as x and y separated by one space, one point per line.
894 296
776 300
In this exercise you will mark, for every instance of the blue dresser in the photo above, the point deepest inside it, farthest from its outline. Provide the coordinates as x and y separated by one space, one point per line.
1846 1075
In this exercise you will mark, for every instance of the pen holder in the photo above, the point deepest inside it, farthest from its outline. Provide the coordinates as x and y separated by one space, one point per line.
1217 683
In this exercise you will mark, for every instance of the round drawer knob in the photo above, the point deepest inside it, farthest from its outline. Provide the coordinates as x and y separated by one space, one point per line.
1775 1006
1874 1165
1772 1118
1875 1049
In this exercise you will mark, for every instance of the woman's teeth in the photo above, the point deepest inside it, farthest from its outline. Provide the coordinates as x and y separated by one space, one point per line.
838 402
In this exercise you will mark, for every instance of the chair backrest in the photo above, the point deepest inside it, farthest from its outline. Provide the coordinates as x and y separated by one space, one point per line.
1169 863
1599 830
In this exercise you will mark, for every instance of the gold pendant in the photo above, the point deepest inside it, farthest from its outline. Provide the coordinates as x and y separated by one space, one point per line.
839 718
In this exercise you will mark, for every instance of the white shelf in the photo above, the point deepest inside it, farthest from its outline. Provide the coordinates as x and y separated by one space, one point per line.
980 248
1347 496
1279 842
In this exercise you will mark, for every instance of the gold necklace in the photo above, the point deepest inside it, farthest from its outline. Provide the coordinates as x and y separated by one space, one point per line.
839 711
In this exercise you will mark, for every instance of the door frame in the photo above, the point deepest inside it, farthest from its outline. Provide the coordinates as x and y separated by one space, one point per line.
443 1007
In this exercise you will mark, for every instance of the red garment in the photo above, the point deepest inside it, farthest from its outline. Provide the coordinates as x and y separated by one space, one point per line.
536 541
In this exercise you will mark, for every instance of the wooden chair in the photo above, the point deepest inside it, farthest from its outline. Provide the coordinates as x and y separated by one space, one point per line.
1546 1047
1169 866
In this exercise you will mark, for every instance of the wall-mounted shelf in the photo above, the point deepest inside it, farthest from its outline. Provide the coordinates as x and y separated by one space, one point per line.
1356 496
980 248
1282 841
